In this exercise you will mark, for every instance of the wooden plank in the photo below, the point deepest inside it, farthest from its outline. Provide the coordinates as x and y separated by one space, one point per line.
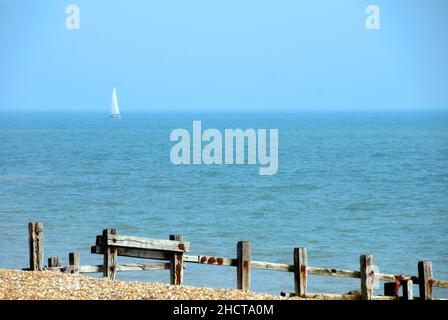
126 267
110 255
191 259
136 253
143 267
367 276
73 262
54 262
407 287
176 263
210 260
147 243
91 269
272 266
357 274
244 256
300 271
440 283
425 279
334 272
143 253
36 245
395 277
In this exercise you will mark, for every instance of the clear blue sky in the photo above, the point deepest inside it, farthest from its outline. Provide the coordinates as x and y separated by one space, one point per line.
224 55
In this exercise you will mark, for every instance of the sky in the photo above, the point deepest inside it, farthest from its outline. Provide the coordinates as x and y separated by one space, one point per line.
224 55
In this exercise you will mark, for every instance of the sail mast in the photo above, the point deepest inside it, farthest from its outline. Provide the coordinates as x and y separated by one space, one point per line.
115 111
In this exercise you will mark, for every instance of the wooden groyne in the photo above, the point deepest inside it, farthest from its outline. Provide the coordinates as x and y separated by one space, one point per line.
173 256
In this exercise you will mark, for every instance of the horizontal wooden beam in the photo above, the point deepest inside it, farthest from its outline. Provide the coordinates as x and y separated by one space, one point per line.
136 253
143 267
120 267
356 274
440 283
272 266
394 277
220 261
147 243
333 272
211 260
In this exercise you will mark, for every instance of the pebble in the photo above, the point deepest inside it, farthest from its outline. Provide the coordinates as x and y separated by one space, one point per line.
29 285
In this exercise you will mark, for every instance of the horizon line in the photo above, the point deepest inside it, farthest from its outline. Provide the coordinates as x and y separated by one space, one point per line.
208 111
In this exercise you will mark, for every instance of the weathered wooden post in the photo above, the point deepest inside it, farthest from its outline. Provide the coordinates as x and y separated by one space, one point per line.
176 264
54 262
367 276
425 279
300 271
391 289
36 245
110 255
73 262
407 286
243 256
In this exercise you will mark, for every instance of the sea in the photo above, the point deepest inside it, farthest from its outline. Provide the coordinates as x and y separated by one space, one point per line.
348 183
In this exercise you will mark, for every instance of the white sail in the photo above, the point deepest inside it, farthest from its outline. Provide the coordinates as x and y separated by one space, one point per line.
114 110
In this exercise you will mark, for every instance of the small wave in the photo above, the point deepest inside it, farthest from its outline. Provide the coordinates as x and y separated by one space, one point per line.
17 177
378 155
362 207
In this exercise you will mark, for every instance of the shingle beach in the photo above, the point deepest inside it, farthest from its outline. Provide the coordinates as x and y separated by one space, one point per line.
27 285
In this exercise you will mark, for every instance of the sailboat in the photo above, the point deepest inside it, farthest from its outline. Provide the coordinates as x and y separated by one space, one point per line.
114 110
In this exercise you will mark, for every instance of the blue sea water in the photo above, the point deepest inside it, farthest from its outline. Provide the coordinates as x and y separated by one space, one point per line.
347 184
